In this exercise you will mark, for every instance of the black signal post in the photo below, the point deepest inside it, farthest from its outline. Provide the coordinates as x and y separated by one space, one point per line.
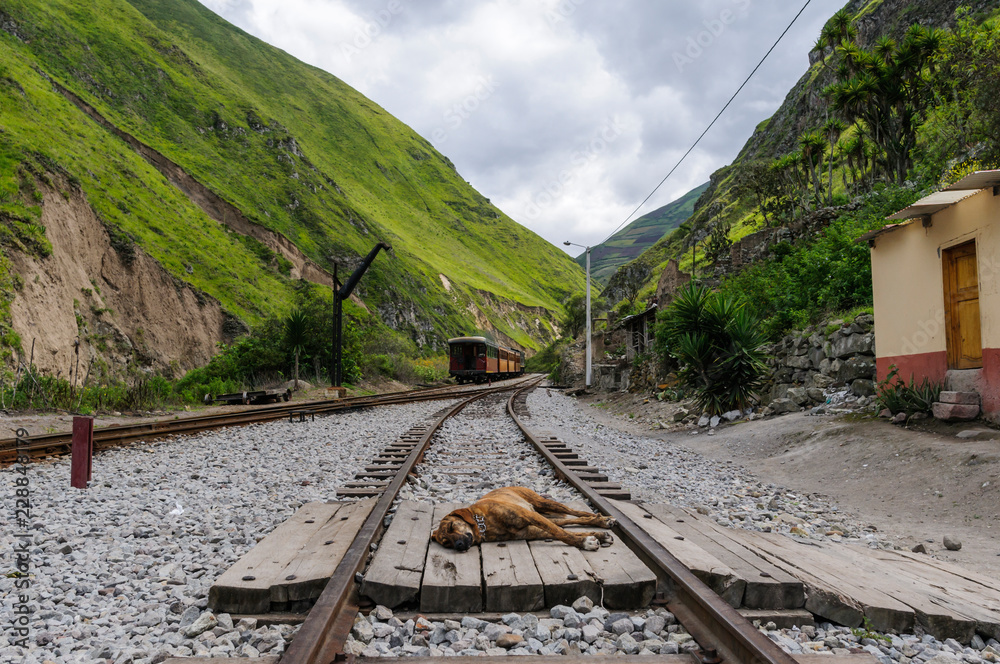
339 295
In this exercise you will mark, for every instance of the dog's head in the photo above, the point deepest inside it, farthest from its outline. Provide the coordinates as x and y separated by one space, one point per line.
455 531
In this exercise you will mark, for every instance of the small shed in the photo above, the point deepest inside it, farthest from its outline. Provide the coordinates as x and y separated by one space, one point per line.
639 333
935 281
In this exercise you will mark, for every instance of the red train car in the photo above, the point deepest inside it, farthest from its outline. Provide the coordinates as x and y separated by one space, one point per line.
477 359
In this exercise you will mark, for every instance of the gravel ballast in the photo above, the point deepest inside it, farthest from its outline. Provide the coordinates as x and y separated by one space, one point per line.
121 571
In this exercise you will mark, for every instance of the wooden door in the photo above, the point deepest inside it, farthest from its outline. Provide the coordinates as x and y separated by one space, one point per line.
961 298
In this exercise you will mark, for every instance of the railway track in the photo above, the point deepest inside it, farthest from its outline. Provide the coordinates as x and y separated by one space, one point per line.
721 632
55 444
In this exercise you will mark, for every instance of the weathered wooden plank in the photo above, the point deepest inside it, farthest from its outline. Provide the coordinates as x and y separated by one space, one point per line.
626 581
512 582
713 572
394 576
305 575
767 586
565 573
939 611
835 591
246 586
452 580
264 659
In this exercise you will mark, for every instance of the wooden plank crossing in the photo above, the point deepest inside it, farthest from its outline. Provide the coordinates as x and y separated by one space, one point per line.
895 591
293 562
497 576
767 586
510 579
394 576
452 580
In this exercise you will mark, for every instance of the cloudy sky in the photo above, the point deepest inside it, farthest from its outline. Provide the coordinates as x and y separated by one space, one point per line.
565 113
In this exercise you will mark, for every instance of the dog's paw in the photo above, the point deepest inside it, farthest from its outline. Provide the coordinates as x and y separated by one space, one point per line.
590 543
609 522
606 538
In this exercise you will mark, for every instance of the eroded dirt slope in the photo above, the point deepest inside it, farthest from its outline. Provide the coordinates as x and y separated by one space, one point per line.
123 310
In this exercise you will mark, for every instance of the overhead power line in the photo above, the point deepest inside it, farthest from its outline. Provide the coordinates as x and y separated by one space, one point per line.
710 124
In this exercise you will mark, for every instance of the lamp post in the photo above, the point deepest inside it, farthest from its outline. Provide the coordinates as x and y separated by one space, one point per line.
587 250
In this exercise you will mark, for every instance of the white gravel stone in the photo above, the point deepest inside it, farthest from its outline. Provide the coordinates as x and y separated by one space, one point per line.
118 572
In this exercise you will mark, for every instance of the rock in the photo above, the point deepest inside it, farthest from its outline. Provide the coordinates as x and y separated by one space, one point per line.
627 644
920 548
845 347
885 413
854 368
952 543
508 641
714 422
967 398
972 433
863 387
781 406
704 420
680 414
363 630
799 396
732 415
916 417
815 394
899 418
622 626
205 622
954 412
589 633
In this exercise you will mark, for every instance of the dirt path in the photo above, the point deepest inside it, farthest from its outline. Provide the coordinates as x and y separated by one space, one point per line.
914 486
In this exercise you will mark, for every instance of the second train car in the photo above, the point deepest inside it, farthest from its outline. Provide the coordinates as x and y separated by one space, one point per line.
478 359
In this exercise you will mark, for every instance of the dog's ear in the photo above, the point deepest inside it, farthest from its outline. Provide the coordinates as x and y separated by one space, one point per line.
465 514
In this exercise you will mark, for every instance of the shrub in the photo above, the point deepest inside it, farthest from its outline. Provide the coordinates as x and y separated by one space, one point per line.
715 340
900 397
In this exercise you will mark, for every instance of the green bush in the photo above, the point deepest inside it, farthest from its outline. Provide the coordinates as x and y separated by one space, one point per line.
715 340
819 274
899 397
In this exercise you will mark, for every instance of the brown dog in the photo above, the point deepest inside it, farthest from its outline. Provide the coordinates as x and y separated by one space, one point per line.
516 512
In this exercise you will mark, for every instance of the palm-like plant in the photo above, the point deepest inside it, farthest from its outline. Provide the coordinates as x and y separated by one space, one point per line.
295 336
716 340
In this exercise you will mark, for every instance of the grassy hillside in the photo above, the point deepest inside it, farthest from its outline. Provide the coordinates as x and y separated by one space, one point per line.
294 148
628 243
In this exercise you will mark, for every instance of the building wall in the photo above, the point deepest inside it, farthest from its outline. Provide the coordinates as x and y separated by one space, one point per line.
909 293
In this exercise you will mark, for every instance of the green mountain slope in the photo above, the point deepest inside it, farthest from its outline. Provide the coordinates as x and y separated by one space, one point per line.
630 242
729 203
296 150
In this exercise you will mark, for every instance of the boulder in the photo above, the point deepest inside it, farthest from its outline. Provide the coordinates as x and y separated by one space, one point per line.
799 396
819 380
843 347
854 368
780 406
863 387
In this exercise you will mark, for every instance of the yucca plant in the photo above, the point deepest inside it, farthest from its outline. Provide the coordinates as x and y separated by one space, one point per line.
899 397
716 342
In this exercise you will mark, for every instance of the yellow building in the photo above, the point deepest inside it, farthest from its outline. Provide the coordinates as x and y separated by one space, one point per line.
935 278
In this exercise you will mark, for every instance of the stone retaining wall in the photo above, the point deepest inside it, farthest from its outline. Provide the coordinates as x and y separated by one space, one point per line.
807 367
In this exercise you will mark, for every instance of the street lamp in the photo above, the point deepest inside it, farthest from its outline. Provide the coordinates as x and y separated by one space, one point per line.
573 244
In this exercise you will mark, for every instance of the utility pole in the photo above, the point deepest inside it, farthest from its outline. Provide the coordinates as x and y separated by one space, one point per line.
339 295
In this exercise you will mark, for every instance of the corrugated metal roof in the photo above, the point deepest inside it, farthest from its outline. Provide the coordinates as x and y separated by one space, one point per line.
977 180
968 186
935 202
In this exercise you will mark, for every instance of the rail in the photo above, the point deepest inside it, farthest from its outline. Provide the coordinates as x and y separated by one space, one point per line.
324 632
714 624
104 437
